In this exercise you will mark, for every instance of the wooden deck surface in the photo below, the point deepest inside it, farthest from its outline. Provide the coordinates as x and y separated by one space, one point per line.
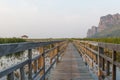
71 67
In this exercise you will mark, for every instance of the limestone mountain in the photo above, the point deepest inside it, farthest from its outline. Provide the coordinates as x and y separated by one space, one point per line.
92 31
109 26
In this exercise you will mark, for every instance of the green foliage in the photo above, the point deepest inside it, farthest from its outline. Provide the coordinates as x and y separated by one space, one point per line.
11 40
70 39
106 40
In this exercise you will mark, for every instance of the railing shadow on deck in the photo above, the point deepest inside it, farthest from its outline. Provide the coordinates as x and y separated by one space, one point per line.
99 54
36 65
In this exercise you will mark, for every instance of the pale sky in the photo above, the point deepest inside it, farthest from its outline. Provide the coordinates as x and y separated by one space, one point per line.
52 18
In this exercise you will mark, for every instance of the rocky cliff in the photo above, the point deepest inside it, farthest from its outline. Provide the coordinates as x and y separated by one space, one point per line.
108 21
92 31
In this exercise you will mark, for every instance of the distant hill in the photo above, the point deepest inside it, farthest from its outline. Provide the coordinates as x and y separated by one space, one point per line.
108 32
109 26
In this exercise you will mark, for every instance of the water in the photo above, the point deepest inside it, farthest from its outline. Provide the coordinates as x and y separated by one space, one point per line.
94 70
6 62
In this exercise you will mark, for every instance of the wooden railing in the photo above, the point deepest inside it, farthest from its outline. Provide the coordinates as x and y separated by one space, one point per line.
94 53
36 65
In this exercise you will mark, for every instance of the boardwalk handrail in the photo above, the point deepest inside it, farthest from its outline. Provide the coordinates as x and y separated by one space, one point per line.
39 61
103 61
111 46
11 48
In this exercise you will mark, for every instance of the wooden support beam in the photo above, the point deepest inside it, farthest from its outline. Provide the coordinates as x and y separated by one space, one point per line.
101 51
30 64
58 50
96 56
22 73
107 68
35 66
51 57
43 55
113 66
40 60
17 47
103 64
10 76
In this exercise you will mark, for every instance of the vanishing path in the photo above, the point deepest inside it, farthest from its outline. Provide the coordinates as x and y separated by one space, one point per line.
71 67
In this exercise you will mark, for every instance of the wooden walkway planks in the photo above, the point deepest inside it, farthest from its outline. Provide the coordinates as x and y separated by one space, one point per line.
71 67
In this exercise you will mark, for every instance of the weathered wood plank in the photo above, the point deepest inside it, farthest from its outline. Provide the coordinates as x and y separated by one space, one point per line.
22 73
36 57
111 46
107 68
43 63
37 73
17 47
10 76
102 57
30 64
13 68
115 47
71 67
35 66
114 66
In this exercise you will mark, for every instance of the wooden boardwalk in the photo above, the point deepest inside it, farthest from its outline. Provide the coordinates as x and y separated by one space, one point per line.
71 67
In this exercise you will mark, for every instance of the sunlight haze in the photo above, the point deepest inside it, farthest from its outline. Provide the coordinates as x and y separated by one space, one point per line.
52 18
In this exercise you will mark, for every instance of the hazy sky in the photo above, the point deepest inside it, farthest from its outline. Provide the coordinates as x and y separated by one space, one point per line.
52 18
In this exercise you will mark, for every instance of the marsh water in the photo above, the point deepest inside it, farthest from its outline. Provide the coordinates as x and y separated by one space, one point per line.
8 61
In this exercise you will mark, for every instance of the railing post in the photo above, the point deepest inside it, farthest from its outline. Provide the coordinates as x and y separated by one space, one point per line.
103 64
113 66
10 76
30 64
58 50
108 68
51 54
40 60
43 55
93 60
35 66
101 51
96 59
22 73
